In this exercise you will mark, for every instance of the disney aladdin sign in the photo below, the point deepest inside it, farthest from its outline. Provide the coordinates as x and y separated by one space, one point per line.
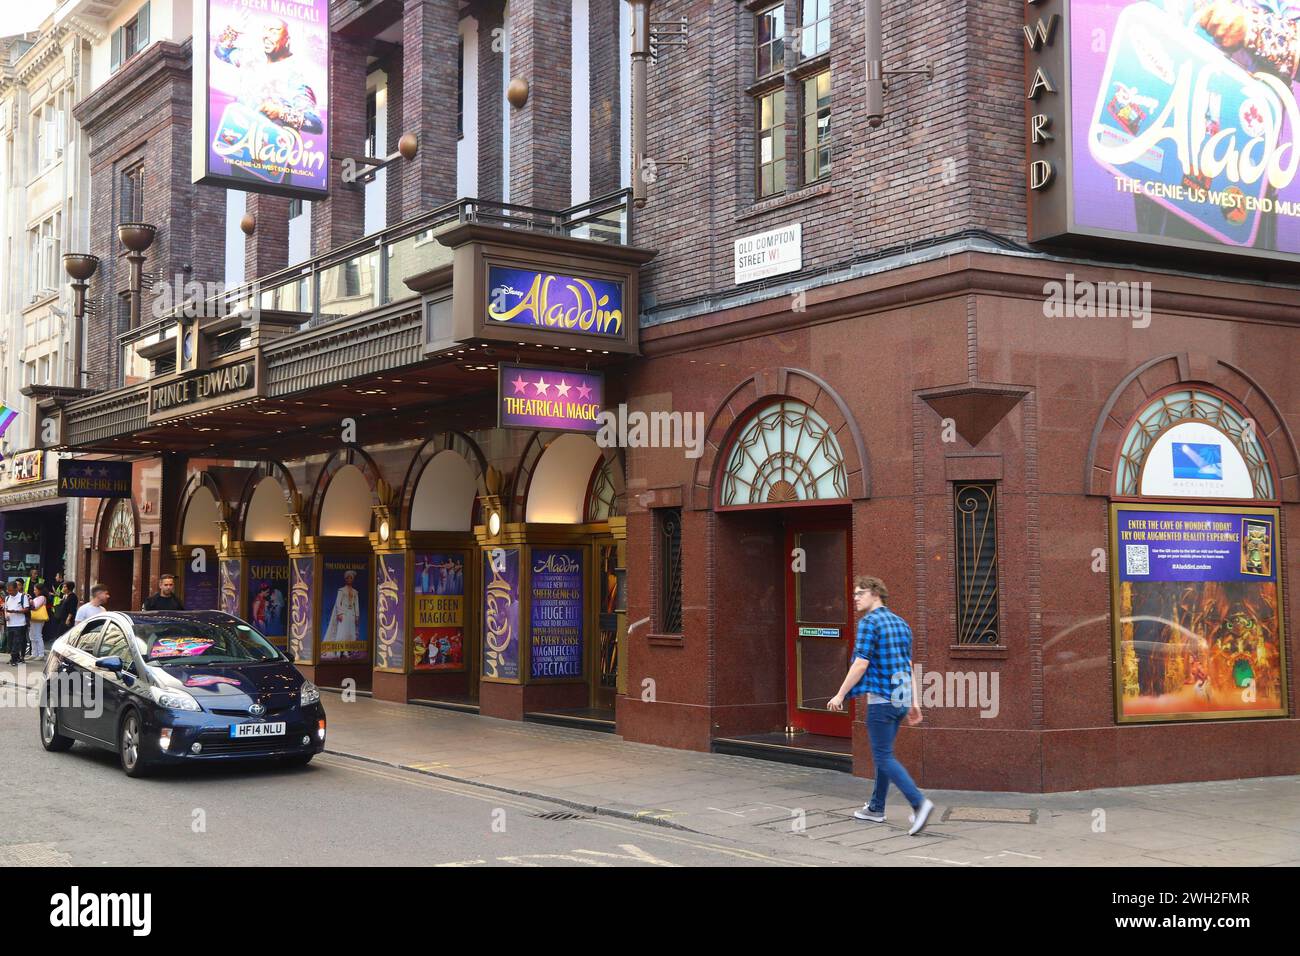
555 301
1174 124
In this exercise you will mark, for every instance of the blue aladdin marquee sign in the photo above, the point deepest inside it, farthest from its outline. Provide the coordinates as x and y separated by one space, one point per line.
549 300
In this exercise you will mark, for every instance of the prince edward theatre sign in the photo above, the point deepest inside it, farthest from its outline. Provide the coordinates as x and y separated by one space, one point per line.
197 392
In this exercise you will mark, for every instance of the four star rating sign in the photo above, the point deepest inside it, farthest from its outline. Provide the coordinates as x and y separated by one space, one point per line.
552 398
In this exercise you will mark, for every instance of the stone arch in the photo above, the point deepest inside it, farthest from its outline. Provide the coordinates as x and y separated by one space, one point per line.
774 384
259 473
337 462
199 481
103 518
1158 375
607 460
455 443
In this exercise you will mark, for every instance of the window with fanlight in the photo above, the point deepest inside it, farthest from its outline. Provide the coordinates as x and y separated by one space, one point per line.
121 526
785 453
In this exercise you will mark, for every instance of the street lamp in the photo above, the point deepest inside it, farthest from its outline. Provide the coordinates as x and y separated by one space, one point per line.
136 237
79 266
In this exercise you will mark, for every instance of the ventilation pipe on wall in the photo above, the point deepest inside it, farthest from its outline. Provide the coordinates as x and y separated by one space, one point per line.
874 93
640 65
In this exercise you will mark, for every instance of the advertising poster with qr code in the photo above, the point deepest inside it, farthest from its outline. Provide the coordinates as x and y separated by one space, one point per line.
1198 613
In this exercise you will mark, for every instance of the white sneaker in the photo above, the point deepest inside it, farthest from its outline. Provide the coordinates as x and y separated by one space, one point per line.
866 813
920 816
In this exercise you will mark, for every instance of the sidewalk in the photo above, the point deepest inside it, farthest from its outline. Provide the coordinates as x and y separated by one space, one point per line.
798 810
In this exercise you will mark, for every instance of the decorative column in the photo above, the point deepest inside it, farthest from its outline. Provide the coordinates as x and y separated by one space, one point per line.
430 33
541 128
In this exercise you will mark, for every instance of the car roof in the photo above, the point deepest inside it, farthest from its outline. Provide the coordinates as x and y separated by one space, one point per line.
207 617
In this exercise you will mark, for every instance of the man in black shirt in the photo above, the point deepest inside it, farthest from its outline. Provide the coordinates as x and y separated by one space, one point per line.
165 599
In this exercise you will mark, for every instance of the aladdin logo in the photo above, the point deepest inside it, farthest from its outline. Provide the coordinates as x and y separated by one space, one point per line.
103 909
554 301
266 144
1183 123
556 564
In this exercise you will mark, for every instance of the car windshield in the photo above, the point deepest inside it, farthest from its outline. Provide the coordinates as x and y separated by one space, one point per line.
172 640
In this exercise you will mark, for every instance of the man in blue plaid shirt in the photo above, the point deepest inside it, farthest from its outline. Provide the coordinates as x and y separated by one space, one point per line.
882 669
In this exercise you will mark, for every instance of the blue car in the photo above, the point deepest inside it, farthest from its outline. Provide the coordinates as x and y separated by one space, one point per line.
170 687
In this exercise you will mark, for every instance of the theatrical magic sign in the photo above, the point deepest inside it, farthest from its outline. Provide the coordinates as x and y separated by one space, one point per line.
1198 625
261 89
560 399
1171 122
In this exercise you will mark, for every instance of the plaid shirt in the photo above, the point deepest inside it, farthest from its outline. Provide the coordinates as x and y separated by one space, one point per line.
885 642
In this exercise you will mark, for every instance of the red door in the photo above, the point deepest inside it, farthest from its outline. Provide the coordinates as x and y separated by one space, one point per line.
819 624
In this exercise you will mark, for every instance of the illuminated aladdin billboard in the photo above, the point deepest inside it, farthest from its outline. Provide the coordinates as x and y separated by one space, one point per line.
261 89
1170 122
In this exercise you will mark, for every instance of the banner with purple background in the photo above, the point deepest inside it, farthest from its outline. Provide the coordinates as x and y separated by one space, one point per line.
267 75
559 399
1209 545
230 571
301 638
1184 121
201 588
501 614
557 613
550 300
390 612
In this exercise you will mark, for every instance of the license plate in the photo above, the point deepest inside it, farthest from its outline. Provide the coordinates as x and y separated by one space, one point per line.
256 730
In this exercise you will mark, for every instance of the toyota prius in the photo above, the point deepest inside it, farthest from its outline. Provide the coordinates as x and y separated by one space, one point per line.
169 687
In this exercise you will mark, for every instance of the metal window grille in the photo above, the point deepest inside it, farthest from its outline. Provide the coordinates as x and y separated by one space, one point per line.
975 518
670 570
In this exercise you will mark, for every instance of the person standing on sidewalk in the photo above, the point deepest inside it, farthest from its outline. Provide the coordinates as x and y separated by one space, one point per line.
882 669
40 615
96 605
17 604
65 612
165 598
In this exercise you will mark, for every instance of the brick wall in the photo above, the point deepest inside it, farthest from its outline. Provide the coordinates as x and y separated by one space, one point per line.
142 116
341 216
491 100
540 132
603 76
948 158
267 249
429 102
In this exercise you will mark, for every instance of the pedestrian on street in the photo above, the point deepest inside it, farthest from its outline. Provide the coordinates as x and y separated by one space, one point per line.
164 599
40 616
65 612
882 669
96 605
17 606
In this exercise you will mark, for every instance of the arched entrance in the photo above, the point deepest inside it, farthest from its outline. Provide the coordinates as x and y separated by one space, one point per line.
1196 555
196 551
114 563
553 625
255 564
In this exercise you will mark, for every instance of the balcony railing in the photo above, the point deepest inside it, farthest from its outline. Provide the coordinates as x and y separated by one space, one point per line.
369 272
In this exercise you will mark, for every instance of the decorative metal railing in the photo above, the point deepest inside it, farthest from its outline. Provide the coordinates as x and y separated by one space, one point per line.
368 273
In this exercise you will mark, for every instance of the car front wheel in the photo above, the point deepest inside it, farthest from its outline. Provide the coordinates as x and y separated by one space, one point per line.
129 746
51 739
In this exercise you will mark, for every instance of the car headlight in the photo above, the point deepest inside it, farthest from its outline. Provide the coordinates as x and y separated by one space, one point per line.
310 693
173 699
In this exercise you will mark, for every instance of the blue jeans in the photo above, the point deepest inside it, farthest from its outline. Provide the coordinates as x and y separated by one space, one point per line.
882 727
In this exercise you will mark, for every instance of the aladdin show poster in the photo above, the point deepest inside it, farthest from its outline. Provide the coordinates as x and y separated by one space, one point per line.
1184 121
1199 617
267 84
345 608
439 632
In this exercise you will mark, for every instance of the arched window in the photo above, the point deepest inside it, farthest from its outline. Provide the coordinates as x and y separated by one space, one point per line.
121 526
785 453
1192 443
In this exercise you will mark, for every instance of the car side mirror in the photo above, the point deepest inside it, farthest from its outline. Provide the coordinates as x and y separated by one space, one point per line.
113 663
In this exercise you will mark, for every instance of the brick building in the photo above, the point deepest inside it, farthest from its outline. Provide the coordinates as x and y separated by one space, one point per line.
859 317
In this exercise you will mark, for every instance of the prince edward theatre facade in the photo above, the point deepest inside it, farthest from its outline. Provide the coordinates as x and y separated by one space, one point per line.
723 327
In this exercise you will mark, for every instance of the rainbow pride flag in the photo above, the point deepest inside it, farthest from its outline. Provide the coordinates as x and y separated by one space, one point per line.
7 416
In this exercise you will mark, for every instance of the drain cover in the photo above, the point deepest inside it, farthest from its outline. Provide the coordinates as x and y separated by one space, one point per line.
989 815
559 815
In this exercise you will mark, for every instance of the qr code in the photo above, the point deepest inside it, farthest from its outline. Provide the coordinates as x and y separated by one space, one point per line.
1137 559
